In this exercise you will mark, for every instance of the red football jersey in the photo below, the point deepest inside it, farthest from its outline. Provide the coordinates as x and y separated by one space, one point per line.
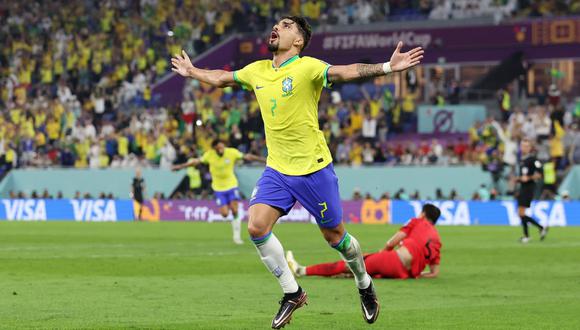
423 243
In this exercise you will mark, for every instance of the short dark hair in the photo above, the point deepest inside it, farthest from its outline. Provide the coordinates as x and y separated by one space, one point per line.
215 142
303 27
431 212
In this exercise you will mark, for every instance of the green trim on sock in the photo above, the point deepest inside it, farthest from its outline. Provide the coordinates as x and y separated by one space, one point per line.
261 240
344 244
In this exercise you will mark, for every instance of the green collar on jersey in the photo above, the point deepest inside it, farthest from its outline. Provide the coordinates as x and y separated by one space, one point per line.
288 61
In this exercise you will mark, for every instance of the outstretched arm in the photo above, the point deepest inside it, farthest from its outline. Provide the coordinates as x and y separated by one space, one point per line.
192 162
395 240
399 62
217 78
254 158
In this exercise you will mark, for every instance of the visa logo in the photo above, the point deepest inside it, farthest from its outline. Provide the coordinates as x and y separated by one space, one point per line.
547 213
94 210
25 209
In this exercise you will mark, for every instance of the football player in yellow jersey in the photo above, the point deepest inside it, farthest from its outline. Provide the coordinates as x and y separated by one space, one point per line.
299 166
221 162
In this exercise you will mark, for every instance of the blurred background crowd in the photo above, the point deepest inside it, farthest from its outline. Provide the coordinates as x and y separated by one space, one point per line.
76 89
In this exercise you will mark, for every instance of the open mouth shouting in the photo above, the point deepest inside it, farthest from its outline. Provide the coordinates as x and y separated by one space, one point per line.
273 37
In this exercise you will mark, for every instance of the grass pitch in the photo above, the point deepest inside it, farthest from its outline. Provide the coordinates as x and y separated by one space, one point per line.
190 276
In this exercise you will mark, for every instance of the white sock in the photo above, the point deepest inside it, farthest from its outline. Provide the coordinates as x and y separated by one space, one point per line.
272 253
237 228
351 253
301 270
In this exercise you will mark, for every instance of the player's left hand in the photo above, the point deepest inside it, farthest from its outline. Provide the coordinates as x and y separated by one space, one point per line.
403 61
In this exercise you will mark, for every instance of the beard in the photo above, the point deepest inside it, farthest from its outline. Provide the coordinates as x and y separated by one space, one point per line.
273 47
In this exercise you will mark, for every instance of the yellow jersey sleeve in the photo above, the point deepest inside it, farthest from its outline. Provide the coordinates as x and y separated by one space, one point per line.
244 76
205 157
235 154
317 71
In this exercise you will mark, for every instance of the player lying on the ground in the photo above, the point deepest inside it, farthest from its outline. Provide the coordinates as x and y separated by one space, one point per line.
419 246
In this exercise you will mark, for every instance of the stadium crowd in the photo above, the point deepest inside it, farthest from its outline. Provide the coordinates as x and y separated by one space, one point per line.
544 119
77 76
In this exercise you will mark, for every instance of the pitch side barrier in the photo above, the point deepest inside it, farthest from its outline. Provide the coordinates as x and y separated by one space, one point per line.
463 213
97 210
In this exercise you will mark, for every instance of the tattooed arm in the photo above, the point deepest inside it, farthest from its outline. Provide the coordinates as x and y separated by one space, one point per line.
399 62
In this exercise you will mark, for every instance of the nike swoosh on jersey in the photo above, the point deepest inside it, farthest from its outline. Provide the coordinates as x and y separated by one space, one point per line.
259 87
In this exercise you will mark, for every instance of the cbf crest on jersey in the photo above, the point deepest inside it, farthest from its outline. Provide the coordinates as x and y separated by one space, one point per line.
287 86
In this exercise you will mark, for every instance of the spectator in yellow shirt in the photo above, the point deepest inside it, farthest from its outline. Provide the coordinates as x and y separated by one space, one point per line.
311 9
103 159
556 143
356 121
40 139
122 145
356 154
53 129
150 150
15 115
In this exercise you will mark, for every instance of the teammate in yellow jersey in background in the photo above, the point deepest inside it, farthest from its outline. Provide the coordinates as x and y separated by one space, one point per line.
221 162
299 166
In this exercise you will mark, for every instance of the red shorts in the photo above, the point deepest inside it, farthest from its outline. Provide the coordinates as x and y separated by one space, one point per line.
386 264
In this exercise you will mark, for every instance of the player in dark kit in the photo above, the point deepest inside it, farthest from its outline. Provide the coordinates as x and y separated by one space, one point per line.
137 189
530 171
418 246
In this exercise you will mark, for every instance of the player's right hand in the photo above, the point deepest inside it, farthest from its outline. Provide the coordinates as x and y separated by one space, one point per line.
182 64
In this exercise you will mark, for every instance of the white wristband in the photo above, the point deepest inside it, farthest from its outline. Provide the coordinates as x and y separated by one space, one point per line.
387 67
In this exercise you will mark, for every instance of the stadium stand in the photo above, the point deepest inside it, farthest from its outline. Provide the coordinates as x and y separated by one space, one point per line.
77 88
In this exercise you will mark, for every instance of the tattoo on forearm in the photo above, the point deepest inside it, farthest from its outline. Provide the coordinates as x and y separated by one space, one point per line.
369 70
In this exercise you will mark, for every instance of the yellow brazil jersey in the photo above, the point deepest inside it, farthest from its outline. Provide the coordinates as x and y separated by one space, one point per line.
15 115
141 62
58 67
150 151
46 75
375 107
40 139
288 97
53 129
123 145
221 168
25 76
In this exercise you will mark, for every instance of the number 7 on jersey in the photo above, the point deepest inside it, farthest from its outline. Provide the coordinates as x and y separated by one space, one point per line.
274 106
